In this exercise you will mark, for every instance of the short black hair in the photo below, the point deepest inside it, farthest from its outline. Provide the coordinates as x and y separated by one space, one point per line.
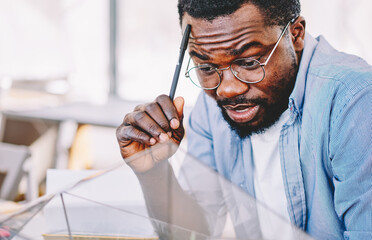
276 12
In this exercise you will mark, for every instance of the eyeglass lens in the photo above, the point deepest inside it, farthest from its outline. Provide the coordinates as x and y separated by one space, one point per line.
246 69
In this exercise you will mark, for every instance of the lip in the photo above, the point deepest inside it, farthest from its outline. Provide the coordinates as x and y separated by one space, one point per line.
242 113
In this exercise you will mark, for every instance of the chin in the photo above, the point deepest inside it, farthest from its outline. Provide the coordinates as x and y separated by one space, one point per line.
244 130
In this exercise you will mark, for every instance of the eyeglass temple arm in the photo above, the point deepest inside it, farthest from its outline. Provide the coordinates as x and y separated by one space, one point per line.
187 68
277 42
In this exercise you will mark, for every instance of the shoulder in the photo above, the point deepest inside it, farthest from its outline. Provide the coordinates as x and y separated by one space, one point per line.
348 73
205 110
337 80
206 119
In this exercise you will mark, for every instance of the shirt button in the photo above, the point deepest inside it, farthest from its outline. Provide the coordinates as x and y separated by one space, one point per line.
241 185
294 192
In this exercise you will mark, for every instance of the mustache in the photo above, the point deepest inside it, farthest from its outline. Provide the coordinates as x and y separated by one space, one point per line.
242 100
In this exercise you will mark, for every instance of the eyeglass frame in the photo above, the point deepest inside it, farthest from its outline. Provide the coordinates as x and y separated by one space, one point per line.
262 65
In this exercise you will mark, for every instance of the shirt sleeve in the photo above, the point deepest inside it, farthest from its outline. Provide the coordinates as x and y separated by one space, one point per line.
351 160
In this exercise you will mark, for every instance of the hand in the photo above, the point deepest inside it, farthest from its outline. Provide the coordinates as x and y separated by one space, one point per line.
147 126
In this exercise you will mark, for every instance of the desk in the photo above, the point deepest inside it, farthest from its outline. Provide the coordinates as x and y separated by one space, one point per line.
109 114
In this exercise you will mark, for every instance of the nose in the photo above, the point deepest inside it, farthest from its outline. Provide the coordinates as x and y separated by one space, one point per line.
230 86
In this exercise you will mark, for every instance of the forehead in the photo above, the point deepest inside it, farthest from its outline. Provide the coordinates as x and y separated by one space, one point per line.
227 32
246 19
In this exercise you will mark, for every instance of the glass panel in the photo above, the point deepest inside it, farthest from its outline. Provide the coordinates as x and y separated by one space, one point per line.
181 199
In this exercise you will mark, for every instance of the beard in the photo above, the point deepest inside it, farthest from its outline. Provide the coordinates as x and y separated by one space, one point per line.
280 92
271 116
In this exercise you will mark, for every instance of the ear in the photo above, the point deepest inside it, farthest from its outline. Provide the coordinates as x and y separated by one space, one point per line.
298 33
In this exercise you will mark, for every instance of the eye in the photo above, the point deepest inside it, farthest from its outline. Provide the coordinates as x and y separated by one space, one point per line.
206 69
247 63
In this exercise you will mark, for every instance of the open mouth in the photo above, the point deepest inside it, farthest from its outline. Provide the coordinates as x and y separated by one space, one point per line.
242 113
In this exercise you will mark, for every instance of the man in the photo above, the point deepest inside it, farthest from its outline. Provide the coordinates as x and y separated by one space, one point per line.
282 115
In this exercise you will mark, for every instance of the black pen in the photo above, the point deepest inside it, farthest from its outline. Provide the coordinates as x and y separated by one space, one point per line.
183 47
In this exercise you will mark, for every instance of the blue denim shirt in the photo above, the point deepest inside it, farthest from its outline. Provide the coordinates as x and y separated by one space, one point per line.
325 147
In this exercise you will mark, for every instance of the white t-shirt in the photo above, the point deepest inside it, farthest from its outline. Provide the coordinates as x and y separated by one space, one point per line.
268 180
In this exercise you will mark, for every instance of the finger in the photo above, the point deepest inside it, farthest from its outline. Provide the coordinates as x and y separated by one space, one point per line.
179 103
179 131
157 114
169 110
130 134
139 108
141 120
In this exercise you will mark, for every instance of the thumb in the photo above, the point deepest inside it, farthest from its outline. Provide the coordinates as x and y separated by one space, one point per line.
179 102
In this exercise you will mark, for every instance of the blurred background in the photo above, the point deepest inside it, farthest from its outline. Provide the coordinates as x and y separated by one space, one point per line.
71 69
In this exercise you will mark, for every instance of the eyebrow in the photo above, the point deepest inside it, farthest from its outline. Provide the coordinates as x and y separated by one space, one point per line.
233 52
236 52
198 55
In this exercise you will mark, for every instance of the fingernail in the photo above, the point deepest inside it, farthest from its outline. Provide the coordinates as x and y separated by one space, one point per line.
174 123
169 134
163 137
152 141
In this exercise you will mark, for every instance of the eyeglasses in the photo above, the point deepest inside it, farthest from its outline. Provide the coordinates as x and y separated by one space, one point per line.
247 70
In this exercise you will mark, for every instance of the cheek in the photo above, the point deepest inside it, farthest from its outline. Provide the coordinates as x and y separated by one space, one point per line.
264 89
279 79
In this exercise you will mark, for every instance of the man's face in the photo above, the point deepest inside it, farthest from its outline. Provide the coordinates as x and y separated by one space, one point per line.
248 108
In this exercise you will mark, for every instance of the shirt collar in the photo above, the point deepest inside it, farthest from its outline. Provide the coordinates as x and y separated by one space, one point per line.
297 96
